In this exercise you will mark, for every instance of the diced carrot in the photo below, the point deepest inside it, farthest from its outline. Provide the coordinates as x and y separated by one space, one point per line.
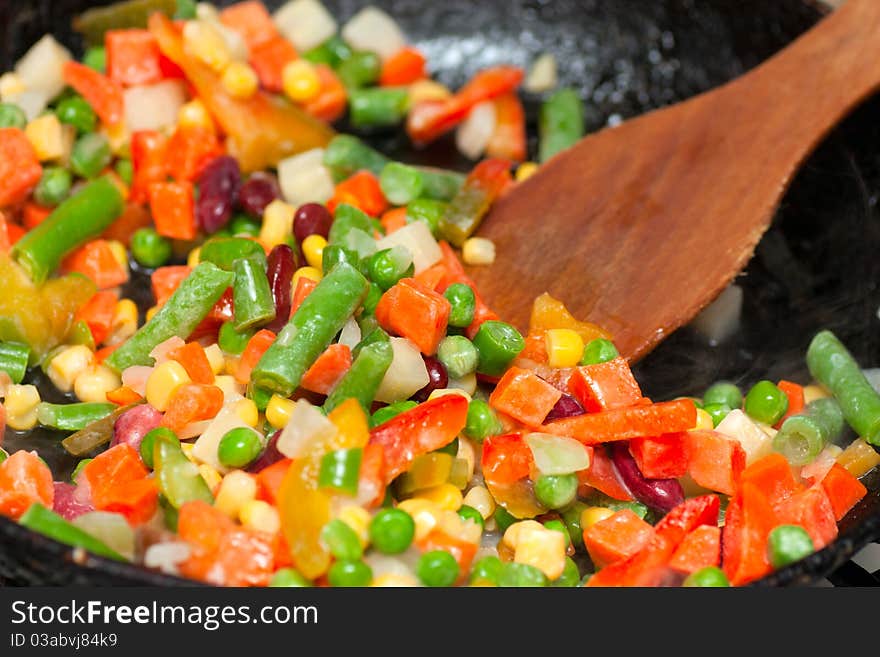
403 67
773 477
95 260
34 214
123 396
715 461
256 347
102 93
431 277
202 526
372 471
304 287
331 102
616 538
192 402
795 394
132 57
525 396
605 386
463 551
812 510
24 479
97 313
509 139
394 220
602 476
627 423
189 150
137 500
194 360
326 372
173 210
361 190
687 516
747 523
506 459
133 217
118 482
411 310
844 490
165 280
251 20
148 151
661 457
699 549
269 480
268 59
20 170
647 567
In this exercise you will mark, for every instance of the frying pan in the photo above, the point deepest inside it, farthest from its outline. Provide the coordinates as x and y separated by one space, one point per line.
816 267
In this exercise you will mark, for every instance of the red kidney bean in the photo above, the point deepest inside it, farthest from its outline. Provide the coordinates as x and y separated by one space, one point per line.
269 456
661 494
219 183
71 501
257 192
134 424
311 219
280 268
567 406
212 213
437 379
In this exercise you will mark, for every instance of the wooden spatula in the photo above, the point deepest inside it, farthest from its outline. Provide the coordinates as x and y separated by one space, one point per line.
639 227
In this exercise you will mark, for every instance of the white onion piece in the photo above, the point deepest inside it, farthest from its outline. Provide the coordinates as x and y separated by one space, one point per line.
720 319
474 134
306 424
557 455
350 334
417 239
153 106
112 529
360 242
819 467
740 427
166 556
542 75
135 377
303 178
31 101
205 448
305 23
406 375
40 69
373 30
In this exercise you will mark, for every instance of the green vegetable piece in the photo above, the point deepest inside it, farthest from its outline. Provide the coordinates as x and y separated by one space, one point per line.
90 155
437 568
186 10
251 295
79 468
340 470
48 523
224 251
556 491
93 23
765 402
458 355
561 123
427 210
401 183
72 417
717 412
570 576
503 518
521 575
346 155
342 541
710 576
441 184
464 303
333 254
149 248
54 186
289 578
481 421
723 392
80 333
571 516
388 266
376 335
149 443
373 296
12 116
385 413
345 219
392 531
242 224
232 341
363 378
498 343
470 513
75 111
350 573
803 436
359 70
14 360
598 351
486 571
94 435
451 449
787 544
178 480
124 169
96 58
239 447
378 107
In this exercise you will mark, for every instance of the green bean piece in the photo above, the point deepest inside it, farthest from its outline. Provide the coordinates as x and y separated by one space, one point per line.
832 365
463 304
374 295
48 523
148 444
498 343
386 413
363 378
333 254
75 111
401 183
378 334
232 341
313 326
427 210
340 469
561 123
150 248
359 70
14 360
95 435
54 186
347 218
599 350
803 436
93 23
458 355
96 58
440 184
90 155
178 480
179 316
12 116
378 107
72 417
346 155
224 251
251 294
80 218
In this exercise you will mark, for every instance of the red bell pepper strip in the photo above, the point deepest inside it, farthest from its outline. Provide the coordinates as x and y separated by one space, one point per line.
699 549
414 311
747 523
773 477
24 479
687 516
812 510
20 171
190 149
661 457
647 567
616 538
269 480
371 474
715 461
430 119
132 57
844 490
148 148
524 396
428 426
602 476
509 139
102 93
604 386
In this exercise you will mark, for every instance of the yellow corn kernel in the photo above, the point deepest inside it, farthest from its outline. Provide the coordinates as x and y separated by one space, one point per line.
440 392
261 516
231 388
481 499
300 81
239 80
277 223
478 251
151 312
313 250
247 412
21 406
209 474
194 114
187 449
237 489
511 536
46 136
358 518
565 347
525 171
10 86
94 384
445 496
215 358
542 548
163 381
306 272
278 411
859 458
424 513
394 580
814 392
467 453
704 420
206 43
68 364
118 137
192 258
593 514
427 90
124 324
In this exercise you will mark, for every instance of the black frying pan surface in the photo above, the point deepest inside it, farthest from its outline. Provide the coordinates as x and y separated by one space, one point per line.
815 268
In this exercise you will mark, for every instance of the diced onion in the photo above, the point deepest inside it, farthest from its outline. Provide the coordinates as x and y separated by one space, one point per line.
166 556
542 76
306 424
41 67
112 529
359 242
31 101
473 135
720 320
740 427
350 334
305 23
304 178
154 106
557 455
417 238
373 30
406 375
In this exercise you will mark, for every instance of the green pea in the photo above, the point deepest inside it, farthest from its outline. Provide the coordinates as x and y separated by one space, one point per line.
12 116
461 298
710 576
570 576
360 69
388 266
481 421
470 513
717 412
75 111
149 248
571 516
486 571
54 186
559 526
723 392
503 518
498 343
598 351
392 531
149 441
556 491
288 578
231 341
437 568
766 403
90 154
186 10
124 169
242 224
350 573
429 211
521 575
382 415
238 447
787 544
342 541
458 355
96 58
